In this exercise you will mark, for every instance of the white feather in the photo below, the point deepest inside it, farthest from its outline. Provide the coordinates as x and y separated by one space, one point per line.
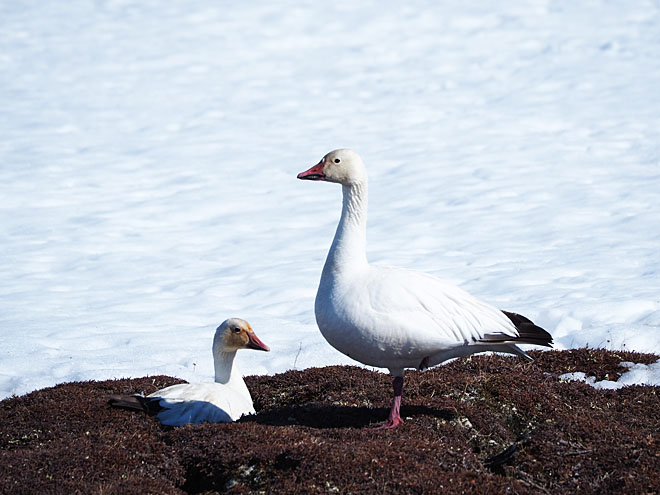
390 317
224 400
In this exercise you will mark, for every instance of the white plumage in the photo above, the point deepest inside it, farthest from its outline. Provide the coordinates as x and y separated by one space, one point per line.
197 403
224 400
395 318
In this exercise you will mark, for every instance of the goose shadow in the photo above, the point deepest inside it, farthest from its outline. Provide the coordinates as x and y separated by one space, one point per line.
337 416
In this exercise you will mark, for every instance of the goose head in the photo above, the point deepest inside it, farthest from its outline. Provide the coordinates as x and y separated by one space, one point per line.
234 334
342 166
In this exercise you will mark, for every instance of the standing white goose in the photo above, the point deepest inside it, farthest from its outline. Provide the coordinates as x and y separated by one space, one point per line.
224 400
396 318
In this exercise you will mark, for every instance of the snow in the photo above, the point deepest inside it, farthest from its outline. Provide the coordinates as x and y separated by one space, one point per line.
149 153
638 374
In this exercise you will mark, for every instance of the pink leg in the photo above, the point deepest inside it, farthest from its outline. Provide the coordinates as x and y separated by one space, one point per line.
395 417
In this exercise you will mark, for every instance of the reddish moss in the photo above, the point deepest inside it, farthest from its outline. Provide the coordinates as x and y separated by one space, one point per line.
486 424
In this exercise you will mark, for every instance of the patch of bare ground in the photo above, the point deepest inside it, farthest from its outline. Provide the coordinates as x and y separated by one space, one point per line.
485 424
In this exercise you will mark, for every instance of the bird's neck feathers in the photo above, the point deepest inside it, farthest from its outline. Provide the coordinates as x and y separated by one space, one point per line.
224 366
348 250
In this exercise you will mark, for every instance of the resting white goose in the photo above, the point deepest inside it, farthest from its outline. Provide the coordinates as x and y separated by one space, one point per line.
224 400
396 318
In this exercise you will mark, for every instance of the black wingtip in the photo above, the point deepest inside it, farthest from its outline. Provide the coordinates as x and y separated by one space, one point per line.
529 333
135 403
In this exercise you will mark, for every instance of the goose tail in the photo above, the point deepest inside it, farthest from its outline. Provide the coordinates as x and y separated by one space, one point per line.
140 403
528 333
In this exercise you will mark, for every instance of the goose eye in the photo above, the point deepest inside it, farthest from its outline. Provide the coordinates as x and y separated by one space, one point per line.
236 329
337 160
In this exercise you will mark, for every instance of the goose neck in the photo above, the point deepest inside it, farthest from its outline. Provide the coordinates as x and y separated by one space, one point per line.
348 248
354 205
224 366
